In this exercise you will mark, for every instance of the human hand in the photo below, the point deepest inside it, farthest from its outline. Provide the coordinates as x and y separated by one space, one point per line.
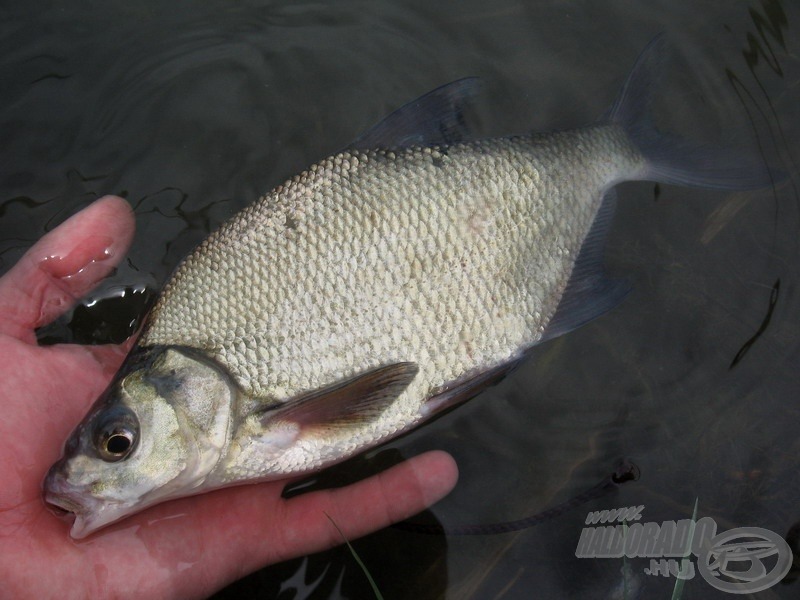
183 548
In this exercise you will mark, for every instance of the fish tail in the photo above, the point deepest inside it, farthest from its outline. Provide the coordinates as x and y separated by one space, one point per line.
670 158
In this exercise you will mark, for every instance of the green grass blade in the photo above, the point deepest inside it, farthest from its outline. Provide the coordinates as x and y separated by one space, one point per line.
677 591
358 560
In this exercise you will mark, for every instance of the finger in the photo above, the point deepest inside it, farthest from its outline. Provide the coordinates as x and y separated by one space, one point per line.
64 265
358 509
236 531
369 505
110 356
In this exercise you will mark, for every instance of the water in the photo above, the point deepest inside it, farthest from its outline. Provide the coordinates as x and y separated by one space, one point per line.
192 110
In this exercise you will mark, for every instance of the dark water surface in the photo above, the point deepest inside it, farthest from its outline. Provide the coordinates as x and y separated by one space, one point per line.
191 110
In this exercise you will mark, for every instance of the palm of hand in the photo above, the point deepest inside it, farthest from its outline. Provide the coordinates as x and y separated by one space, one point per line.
188 547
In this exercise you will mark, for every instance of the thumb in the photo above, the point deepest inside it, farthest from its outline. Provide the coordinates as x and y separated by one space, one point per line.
63 266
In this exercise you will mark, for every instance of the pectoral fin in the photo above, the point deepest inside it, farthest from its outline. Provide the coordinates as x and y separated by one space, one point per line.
354 401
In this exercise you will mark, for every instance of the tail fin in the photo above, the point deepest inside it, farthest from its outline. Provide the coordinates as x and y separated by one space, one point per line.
671 159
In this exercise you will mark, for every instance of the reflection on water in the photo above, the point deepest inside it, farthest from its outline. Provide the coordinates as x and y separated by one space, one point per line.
110 318
191 112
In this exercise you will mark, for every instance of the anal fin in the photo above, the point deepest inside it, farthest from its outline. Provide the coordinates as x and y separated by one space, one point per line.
589 292
456 393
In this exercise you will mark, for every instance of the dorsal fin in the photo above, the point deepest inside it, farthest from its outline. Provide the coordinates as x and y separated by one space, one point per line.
589 292
437 118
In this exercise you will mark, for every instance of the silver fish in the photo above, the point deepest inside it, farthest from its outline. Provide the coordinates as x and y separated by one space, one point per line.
363 296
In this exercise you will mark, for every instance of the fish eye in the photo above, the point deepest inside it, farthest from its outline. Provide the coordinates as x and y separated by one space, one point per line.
116 434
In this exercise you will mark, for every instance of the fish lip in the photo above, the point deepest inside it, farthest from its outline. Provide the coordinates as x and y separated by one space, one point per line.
69 503
88 514
86 519
59 495
63 502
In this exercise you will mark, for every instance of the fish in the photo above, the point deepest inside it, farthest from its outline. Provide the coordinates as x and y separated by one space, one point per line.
382 286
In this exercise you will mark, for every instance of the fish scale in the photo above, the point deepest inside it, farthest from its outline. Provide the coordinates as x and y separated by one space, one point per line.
394 255
474 289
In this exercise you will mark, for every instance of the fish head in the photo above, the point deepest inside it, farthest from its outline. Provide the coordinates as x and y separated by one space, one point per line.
156 434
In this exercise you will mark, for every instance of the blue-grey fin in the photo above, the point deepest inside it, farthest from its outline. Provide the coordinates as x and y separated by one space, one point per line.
670 158
360 399
589 292
437 118
453 394
632 106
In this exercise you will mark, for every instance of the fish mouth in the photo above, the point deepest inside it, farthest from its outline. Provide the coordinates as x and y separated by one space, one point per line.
68 503
84 519
62 505
86 513
59 495
68 510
